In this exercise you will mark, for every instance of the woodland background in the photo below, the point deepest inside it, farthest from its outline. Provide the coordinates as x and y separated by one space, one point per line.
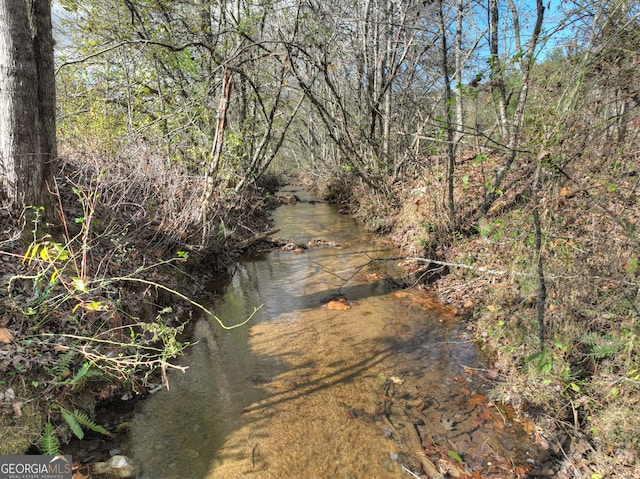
496 141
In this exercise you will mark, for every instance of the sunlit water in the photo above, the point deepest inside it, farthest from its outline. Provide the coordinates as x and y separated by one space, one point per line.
304 391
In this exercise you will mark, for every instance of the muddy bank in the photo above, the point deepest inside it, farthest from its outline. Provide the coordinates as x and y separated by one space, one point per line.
94 310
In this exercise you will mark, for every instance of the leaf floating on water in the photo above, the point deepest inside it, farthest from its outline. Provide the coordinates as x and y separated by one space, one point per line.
396 380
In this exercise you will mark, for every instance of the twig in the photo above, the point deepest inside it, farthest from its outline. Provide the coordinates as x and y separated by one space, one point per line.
412 473
173 48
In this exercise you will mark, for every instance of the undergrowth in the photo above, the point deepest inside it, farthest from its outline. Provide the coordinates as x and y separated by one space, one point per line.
584 385
97 304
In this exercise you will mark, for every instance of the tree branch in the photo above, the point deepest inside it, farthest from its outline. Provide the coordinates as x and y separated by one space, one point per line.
142 41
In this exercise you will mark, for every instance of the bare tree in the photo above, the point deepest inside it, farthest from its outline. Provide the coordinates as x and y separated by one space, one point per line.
510 123
364 67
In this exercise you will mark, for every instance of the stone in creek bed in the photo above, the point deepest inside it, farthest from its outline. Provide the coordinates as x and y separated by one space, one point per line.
118 467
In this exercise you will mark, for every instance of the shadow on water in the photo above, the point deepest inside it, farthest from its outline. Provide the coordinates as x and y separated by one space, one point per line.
310 391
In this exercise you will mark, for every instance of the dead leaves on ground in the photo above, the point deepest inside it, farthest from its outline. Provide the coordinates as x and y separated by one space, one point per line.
447 461
446 435
5 336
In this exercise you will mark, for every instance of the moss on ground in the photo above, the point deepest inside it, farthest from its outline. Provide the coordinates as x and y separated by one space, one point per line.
21 421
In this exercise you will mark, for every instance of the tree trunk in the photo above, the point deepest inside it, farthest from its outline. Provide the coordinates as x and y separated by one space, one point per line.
211 175
45 67
459 133
451 152
27 102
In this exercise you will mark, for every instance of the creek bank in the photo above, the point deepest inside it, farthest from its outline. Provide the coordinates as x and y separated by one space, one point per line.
582 391
79 331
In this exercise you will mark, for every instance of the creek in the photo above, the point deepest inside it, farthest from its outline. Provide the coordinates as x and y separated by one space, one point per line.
339 374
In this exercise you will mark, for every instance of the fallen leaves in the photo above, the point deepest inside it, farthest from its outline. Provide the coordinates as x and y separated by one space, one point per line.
369 277
477 400
5 336
428 300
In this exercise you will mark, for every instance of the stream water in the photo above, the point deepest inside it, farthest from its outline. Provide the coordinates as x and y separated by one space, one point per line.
338 375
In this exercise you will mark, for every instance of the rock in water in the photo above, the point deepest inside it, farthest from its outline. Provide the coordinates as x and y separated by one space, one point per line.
118 467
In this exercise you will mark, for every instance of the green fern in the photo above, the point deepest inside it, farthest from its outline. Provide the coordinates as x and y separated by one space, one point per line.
79 419
73 423
63 362
84 420
600 346
49 443
80 377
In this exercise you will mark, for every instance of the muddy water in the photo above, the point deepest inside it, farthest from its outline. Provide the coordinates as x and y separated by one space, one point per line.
336 376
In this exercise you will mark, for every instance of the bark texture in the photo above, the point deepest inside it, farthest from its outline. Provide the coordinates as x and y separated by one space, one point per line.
27 102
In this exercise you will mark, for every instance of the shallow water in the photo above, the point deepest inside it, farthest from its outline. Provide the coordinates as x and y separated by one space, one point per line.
374 384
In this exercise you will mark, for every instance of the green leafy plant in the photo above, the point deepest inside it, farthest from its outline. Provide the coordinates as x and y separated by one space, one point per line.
79 420
49 442
599 346
543 361
85 372
455 456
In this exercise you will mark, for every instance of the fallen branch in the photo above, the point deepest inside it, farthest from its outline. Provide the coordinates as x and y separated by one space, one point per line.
257 238
465 266
479 269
